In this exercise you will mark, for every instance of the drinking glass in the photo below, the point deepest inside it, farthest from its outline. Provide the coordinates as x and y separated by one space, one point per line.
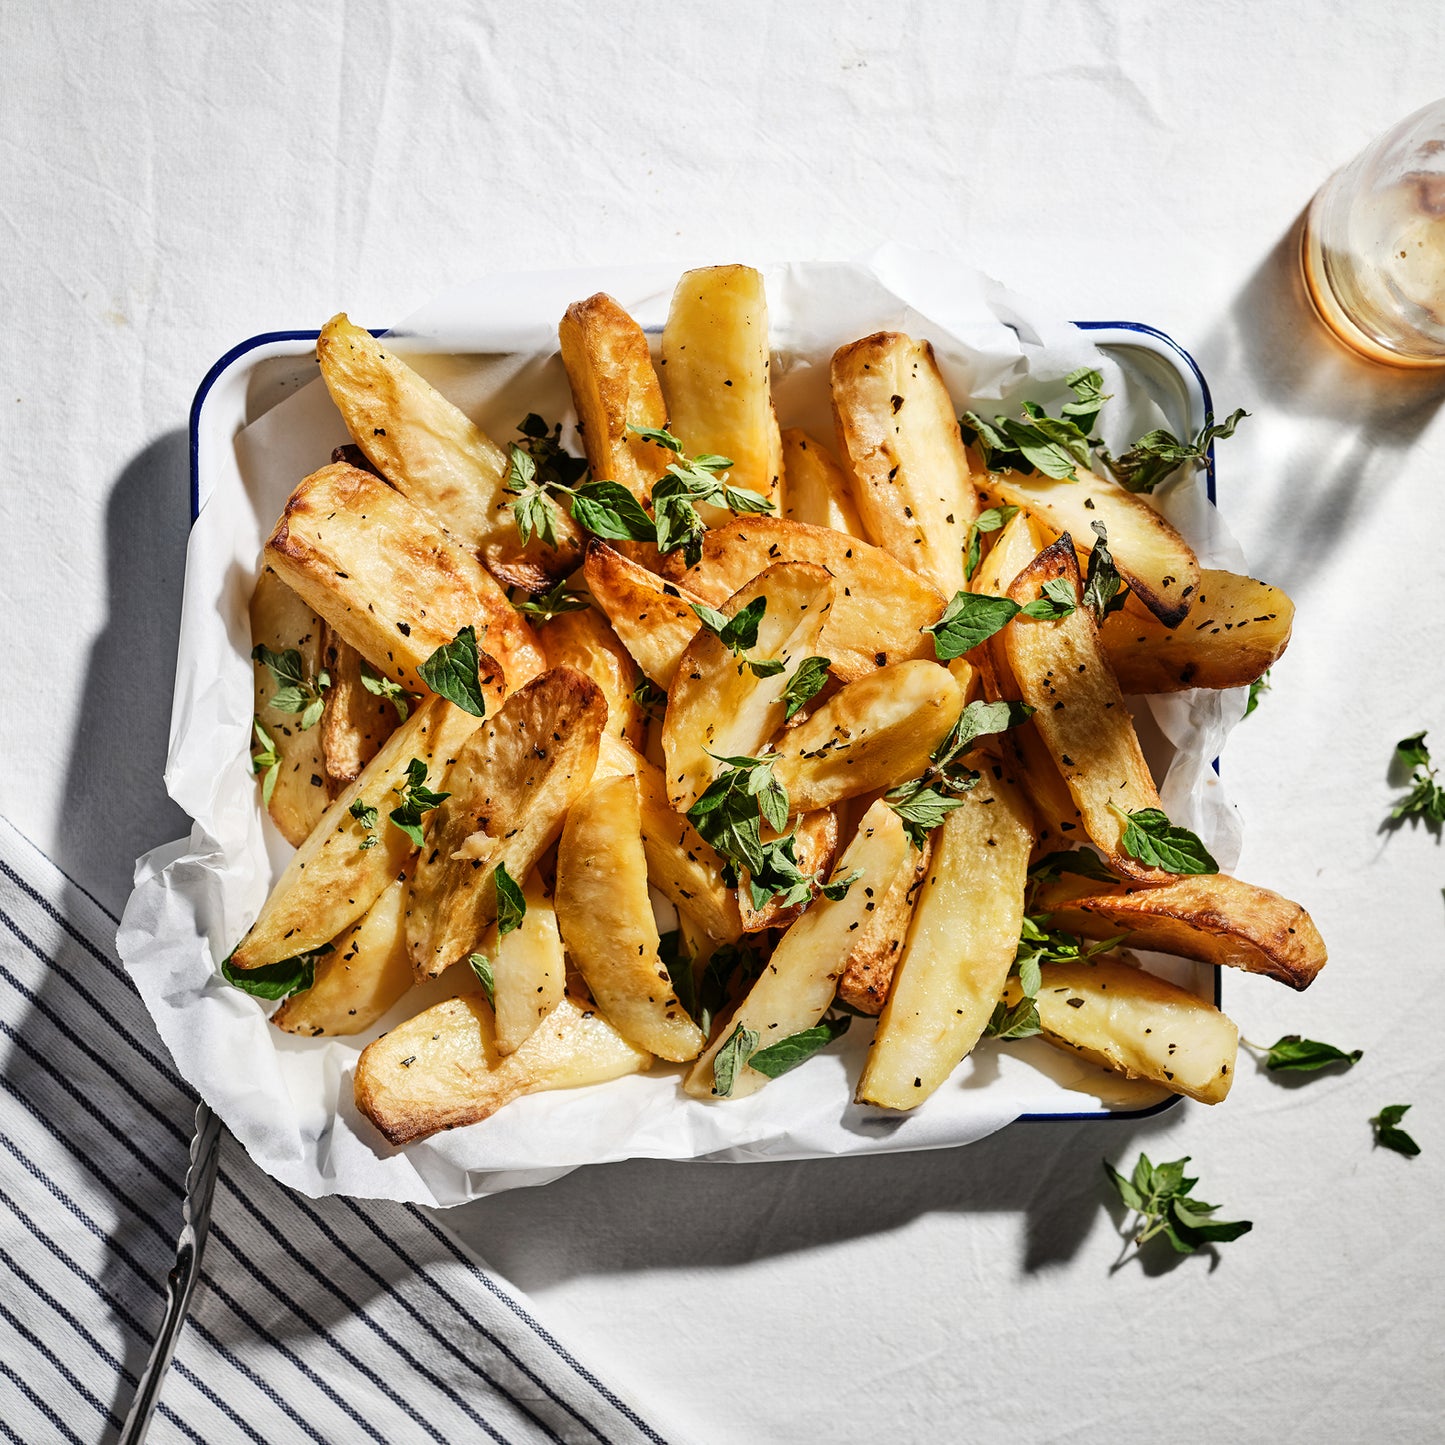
1374 245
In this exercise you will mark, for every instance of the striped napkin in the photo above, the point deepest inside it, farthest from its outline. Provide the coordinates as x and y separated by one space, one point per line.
339 1320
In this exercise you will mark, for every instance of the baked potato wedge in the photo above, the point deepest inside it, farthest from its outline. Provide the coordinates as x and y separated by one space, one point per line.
585 640
1157 563
332 879
605 915
868 971
1061 672
717 705
1236 631
874 733
880 608
1117 1015
801 978
509 790
436 456
816 489
390 580
960 945
355 721
442 1068
715 375
281 621
653 618
529 970
1213 918
899 434
614 387
366 972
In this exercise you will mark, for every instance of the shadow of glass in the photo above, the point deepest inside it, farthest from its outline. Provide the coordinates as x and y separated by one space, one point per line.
116 805
1321 478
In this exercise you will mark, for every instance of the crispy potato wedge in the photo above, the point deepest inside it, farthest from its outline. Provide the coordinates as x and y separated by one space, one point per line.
510 787
1127 1020
614 386
680 865
1236 631
869 968
899 434
960 945
1213 918
1061 672
529 969
442 1068
605 915
331 879
366 972
802 976
585 640
653 618
717 706
390 581
715 376
817 835
1014 547
281 620
880 608
874 733
354 722
1157 563
816 490
436 456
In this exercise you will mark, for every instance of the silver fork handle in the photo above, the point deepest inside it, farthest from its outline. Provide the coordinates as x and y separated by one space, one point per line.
181 1281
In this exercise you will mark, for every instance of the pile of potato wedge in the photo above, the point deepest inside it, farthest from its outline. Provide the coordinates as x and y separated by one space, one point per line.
517 894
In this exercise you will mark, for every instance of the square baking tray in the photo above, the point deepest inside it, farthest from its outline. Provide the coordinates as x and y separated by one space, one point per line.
258 373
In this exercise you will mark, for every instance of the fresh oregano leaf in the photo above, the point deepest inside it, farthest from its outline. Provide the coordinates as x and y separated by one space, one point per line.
452 672
788 1053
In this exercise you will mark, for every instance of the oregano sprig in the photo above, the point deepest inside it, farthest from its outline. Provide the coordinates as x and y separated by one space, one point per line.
1159 1195
295 691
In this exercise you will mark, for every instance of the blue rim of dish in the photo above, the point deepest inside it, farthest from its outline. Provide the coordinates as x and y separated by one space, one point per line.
267 338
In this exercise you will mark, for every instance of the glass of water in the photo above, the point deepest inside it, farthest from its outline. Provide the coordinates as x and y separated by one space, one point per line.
1374 246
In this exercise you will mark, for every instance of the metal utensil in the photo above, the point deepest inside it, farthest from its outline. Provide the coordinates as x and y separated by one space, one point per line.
181 1281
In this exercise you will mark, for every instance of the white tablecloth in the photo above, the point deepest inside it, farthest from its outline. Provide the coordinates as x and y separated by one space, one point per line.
175 178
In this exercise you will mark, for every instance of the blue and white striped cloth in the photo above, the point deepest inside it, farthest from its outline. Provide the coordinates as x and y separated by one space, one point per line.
338 1320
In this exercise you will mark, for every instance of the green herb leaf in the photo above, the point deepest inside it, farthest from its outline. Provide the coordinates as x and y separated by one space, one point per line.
276 980
1151 838
385 687
1157 454
1426 798
1081 861
266 762
1019 1022
730 1058
1307 1055
989 520
416 800
534 512
1389 1134
659 436
1058 600
511 905
650 698
737 633
544 606
788 1053
1159 1197
452 672
608 509
295 693
284 667
1088 387
971 618
809 678
364 813
836 890
482 967
1104 589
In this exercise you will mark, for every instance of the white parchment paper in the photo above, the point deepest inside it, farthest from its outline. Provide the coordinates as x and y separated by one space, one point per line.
492 348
